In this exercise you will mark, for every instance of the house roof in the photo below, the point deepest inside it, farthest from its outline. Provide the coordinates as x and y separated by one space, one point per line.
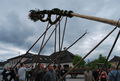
38 59
115 59
62 57
28 55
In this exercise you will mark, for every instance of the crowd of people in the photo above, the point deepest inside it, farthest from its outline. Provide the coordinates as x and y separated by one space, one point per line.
111 74
55 73
37 73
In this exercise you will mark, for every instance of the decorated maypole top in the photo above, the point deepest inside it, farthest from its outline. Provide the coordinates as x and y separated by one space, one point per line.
36 15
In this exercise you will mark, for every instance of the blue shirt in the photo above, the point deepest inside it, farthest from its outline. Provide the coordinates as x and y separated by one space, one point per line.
114 75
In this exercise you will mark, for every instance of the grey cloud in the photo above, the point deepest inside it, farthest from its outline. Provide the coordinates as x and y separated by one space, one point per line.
13 31
18 30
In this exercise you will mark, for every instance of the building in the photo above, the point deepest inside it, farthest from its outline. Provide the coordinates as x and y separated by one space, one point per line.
13 61
2 63
115 60
38 59
64 58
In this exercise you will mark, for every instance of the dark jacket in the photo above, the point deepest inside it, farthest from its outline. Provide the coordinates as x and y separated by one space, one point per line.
40 75
5 75
50 76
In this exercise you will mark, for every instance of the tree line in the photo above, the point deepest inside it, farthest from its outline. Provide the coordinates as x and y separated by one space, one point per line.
96 63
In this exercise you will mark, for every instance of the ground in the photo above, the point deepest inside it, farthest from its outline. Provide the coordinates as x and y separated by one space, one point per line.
79 78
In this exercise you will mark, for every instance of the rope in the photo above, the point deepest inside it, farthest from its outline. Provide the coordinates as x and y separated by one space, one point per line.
46 41
61 41
59 31
42 43
55 39
63 33
87 54
43 38
50 36
37 57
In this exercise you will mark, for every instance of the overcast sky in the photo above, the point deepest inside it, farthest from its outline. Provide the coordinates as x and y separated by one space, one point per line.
18 32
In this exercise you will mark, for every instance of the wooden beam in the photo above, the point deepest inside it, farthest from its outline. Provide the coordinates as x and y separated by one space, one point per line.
103 20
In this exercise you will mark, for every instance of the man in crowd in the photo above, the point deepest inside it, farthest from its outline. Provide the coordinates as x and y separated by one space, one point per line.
95 74
12 74
40 73
22 72
50 75
88 75
5 74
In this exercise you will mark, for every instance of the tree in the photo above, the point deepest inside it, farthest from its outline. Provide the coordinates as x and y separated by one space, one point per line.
76 59
98 62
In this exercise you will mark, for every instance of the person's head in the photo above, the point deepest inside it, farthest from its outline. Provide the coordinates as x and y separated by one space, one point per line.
21 64
54 66
59 66
88 69
50 67
113 67
42 66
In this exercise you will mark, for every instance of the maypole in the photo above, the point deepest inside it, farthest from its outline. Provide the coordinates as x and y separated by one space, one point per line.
98 19
46 16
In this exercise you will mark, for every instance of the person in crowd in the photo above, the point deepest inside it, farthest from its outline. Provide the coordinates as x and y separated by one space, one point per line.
16 73
22 72
40 72
28 73
58 71
114 74
50 75
5 75
31 73
12 74
63 71
103 76
88 75
95 74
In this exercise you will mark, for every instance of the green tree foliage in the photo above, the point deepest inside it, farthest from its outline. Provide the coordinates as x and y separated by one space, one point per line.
98 62
76 59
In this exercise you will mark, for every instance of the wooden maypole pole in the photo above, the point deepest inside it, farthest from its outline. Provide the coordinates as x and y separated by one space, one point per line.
98 19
